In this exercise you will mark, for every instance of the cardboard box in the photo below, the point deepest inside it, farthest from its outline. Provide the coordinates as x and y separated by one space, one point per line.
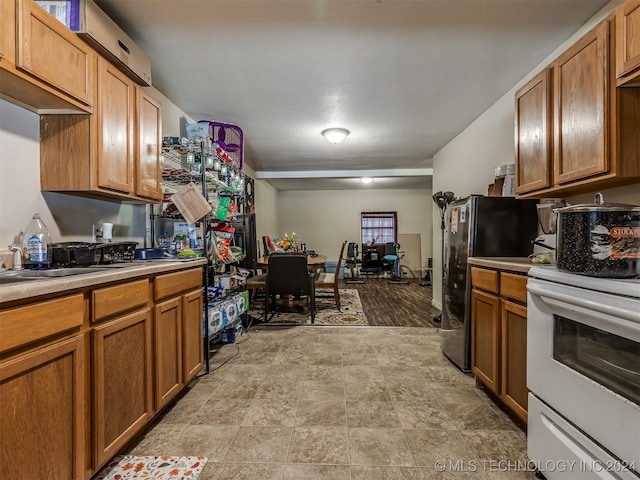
502 187
495 189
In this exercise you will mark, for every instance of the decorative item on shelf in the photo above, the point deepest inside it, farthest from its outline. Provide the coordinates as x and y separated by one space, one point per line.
289 243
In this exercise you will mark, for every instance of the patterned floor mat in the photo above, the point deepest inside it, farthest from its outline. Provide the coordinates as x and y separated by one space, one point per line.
130 467
350 312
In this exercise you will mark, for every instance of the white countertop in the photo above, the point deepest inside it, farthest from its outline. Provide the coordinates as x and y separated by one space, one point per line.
112 273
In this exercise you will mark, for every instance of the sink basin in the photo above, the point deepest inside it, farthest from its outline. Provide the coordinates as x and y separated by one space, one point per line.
14 276
4 279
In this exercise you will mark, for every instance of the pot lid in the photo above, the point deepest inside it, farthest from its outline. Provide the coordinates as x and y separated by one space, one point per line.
599 205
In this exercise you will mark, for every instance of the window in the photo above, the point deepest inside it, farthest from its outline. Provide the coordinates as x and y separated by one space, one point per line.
378 227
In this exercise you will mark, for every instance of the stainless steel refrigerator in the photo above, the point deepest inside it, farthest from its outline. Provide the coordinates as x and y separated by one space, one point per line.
478 226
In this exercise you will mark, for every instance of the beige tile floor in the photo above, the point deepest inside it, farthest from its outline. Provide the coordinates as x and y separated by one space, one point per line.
339 403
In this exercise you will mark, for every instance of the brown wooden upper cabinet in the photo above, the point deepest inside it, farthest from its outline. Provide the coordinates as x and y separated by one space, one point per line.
123 160
533 134
148 171
628 42
581 117
114 160
8 32
43 65
575 131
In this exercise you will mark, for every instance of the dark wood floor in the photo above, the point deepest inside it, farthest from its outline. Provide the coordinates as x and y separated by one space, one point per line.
391 305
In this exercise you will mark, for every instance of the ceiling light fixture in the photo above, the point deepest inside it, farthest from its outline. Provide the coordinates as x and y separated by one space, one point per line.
366 179
335 135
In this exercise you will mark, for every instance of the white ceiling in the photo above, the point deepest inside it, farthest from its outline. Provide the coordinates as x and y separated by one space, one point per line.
404 76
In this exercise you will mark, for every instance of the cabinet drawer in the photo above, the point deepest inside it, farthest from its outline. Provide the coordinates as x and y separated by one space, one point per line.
513 286
172 283
484 279
26 324
111 300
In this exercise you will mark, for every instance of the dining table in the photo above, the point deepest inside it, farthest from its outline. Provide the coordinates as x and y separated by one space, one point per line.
314 262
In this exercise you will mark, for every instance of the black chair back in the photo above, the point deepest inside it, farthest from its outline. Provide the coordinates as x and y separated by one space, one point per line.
390 248
287 274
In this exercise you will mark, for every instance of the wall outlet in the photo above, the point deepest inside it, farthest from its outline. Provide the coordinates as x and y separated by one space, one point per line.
96 233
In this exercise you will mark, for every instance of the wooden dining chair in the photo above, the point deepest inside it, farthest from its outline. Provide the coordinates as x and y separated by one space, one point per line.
288 274
257 281
330 280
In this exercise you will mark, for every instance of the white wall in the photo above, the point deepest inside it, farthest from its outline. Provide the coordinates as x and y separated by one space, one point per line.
323 219
266 211
466 165
67 217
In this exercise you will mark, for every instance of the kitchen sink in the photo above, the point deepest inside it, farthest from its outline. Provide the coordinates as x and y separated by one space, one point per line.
5 278
15 276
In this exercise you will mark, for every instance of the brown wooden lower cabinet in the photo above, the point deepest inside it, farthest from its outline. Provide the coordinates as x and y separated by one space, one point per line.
192 340
168 359
42 411
177 332
499 337
513 349
78 371
122 380
485 309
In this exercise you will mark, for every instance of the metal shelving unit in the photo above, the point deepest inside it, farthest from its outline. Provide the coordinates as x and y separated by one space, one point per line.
196 163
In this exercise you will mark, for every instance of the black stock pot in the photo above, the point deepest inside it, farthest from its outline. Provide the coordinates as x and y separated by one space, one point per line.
599 239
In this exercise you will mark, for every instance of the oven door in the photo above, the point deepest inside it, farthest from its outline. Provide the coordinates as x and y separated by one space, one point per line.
583 360
562 452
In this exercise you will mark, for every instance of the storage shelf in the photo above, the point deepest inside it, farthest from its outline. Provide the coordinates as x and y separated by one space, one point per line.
177 173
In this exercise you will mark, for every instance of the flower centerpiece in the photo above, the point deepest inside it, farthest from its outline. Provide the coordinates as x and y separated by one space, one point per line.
289 243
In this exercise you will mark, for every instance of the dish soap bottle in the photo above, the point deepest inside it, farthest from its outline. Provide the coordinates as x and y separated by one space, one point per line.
165 240
36 244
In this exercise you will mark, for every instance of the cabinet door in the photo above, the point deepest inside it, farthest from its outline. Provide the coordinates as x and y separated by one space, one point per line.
485 332
8 32
168 350
533 134
148 138
42 415
50 52
115 129
628 37
581 101
192 344
513 389
121 382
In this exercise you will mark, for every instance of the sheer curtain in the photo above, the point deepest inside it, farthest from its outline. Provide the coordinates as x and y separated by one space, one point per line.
378 227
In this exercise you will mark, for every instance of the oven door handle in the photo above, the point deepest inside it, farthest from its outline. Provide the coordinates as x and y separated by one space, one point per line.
579 302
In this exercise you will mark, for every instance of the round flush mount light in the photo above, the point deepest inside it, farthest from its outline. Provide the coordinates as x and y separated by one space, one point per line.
366 179
335 135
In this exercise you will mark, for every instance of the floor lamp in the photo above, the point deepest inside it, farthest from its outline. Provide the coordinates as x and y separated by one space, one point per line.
442 199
